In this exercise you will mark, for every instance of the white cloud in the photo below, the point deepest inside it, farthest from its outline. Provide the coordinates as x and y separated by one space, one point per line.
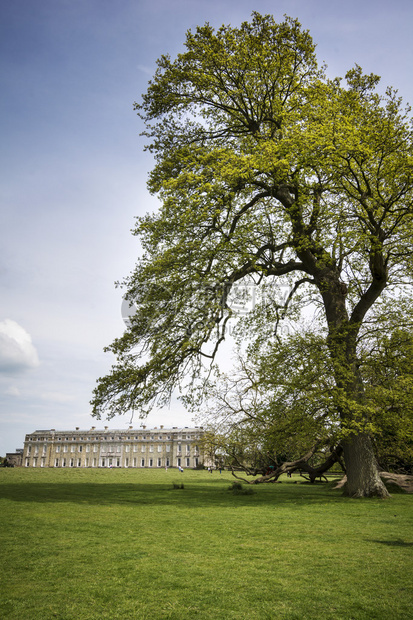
57 397
17 352
12 391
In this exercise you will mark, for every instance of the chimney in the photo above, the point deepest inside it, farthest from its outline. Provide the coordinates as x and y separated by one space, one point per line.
93 428
77 428
161 426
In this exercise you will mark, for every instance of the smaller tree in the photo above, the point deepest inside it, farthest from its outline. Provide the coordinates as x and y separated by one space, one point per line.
278 418
278 413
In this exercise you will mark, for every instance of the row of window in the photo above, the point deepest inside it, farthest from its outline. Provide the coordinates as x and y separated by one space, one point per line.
112 448
113 438
36 449
111 462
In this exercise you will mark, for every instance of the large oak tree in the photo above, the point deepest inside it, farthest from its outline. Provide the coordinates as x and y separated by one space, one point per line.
266 170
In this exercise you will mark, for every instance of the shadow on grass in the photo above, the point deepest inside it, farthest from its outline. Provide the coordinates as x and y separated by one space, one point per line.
194 494
393 543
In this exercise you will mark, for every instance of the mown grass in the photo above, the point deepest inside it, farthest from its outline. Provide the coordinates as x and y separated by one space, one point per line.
126 544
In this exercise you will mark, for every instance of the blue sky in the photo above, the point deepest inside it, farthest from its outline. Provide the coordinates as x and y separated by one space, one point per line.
73 173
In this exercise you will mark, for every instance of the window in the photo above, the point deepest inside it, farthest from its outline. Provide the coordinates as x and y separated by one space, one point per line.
168 448
80 448
187 462
71 462
79 462
65 448
188 448
44 448
29 449
94 462
126 462
103 462
135 448
27 462
159 462
142 462
179 462
159 448
151 448
117 462
117 448
72 448
134 462
150 462
167 462
143 449
64 463
56 462
57 448
87 447
86 462
179 448
127 448
42 462
95 448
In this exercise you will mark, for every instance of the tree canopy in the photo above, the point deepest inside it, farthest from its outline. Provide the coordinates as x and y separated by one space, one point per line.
269 172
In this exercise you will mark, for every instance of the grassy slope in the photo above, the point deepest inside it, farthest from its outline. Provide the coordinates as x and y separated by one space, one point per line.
123 544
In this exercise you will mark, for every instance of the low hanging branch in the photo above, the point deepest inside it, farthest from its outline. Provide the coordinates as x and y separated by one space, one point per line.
300 464
316 472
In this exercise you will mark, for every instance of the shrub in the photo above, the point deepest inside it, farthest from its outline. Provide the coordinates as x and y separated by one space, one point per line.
238 489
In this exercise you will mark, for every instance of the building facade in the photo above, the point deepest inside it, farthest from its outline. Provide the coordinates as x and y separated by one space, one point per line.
156 447
15 459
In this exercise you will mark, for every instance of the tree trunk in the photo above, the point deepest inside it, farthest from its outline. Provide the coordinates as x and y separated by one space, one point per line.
363 478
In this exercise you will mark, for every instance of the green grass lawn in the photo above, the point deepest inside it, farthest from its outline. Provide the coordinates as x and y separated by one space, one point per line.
124 544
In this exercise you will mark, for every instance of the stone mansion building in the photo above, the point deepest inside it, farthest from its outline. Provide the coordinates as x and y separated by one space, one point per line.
157 447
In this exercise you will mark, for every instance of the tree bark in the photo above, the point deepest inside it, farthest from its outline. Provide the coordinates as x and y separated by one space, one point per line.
363 479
